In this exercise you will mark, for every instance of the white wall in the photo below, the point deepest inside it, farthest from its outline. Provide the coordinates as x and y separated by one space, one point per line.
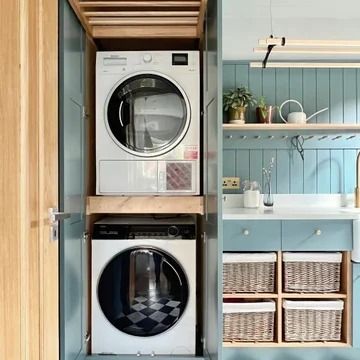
247 21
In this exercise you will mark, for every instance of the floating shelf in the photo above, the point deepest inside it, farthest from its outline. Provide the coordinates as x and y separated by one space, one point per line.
292 127
144 205
251 296
141 19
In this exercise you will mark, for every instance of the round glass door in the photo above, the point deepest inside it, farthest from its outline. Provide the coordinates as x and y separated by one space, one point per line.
147 115
143 291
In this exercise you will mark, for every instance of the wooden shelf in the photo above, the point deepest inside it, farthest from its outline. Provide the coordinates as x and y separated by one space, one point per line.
313 296
251 296
286 344
141 19
292 127
279 296
144 205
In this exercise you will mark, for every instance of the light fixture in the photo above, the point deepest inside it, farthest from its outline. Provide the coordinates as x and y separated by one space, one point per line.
318 43
310 50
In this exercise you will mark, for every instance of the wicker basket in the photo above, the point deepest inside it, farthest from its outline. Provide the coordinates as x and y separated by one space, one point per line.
313 320
247 322
312 272
248 272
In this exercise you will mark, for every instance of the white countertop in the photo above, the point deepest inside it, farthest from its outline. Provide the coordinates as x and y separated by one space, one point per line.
294 207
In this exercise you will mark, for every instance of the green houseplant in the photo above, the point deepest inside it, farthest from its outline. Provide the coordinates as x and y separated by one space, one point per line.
264 113
236 102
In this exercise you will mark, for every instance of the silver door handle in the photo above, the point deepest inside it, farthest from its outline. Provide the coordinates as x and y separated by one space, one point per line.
54 217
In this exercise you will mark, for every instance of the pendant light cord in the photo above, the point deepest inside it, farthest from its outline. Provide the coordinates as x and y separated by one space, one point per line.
271 19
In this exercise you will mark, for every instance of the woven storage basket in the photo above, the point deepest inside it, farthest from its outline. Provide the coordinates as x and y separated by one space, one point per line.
313 320
248 321
312 272
248 272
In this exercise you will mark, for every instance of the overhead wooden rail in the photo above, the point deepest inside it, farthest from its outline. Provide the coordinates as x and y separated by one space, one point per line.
141 18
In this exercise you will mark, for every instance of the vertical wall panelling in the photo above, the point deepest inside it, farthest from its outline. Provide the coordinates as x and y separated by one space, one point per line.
310 173
323 94
296 88
283 172
329 165
336 95
350 96
309 92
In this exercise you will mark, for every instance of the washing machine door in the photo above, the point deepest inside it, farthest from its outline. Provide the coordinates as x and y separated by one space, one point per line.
147 114
143 291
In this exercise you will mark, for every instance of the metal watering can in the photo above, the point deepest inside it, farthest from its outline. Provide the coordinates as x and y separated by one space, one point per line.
297 117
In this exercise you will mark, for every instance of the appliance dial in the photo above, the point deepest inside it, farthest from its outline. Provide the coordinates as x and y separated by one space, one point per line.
147 58
173 231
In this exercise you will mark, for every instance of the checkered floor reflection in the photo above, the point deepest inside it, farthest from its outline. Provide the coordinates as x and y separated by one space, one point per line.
149 317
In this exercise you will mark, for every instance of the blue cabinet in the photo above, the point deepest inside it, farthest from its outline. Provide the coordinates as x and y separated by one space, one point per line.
319 235
356 305
252 235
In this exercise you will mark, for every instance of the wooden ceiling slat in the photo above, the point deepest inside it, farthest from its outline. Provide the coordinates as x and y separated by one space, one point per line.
141 13
200 26
139 21
141 4
145 32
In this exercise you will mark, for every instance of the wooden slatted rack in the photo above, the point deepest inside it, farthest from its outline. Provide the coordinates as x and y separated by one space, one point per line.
141 18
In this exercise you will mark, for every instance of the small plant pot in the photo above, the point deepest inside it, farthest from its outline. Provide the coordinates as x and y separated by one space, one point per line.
237 116
270 113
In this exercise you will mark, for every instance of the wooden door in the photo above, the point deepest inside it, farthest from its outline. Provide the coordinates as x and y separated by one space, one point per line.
28 157
212 134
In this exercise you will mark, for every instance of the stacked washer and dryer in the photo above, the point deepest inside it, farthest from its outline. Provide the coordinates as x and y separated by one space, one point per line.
147 143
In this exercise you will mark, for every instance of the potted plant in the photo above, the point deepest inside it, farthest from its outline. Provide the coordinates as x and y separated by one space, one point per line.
264 113
236 102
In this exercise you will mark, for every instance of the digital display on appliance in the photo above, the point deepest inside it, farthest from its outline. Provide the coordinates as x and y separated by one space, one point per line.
180 59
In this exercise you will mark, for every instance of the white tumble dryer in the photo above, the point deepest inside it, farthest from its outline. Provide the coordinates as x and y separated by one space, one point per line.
148 123
144 286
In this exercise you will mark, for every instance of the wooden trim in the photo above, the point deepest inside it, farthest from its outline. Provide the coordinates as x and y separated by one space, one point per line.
144 32
83 20
144 205
200 26
48 176
129 14
139 21
140 4
251 296
11 270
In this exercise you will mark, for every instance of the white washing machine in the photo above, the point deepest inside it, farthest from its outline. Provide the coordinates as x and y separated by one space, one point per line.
144 286
148 123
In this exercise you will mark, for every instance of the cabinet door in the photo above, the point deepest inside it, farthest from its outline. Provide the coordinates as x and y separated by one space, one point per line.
212 171
252 235
356 306
319 235
71 186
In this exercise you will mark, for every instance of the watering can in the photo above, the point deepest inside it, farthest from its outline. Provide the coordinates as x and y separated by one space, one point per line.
298 117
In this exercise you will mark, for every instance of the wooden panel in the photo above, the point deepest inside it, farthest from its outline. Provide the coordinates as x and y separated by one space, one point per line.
144 32
292 127
11 314
144 205
48 172
139 21
140 4
129 14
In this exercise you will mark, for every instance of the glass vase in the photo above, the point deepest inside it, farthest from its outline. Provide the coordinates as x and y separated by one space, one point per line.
268 196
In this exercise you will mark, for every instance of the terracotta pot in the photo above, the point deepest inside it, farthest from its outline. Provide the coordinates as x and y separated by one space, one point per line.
268 119
238 114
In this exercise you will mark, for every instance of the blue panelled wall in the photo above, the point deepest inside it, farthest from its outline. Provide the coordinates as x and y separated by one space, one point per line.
329 163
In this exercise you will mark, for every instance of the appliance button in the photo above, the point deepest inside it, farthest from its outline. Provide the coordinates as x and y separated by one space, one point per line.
173 231
147 58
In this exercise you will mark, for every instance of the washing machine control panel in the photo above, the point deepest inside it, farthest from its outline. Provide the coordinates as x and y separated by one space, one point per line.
147 58
144 231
